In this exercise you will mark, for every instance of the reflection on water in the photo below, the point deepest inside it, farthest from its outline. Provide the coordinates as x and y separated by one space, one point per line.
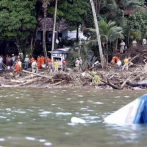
42 117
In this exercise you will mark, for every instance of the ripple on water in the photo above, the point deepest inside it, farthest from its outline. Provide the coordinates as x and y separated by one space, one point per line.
48 144
98 103
30 138
2 139
68 99
42 140
80 95
62 113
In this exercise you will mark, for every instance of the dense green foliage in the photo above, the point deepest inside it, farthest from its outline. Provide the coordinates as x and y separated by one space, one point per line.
17 19
128 18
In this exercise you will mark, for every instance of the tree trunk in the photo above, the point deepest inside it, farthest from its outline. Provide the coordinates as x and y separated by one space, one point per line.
98 34
77 35
116 44
45 5
54 26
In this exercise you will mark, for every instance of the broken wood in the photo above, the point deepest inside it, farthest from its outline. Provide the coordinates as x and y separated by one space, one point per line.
37 74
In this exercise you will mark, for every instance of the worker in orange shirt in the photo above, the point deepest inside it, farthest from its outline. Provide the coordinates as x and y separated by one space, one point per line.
17 68
114 59
49 64
39 62
42 60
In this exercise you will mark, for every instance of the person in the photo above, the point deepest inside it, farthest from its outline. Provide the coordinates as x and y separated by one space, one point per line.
20 64
119 63
9 62
77 62
1 63
80 63
56 65
122 46
126 64
16 68
49 64
27 61
34 66
39 62
32 59
144 41
134 42
64 65
13 59
42 60
114 59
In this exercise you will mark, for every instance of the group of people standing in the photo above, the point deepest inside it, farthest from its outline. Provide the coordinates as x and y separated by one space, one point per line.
15 63
120 66
123 46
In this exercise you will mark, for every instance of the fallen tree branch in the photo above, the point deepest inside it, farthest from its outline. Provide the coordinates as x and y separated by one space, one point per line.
37 74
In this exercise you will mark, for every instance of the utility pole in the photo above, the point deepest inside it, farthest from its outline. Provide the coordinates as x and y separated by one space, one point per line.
98 34
54 26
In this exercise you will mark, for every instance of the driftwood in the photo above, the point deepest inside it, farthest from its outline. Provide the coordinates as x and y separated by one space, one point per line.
37 74
57 83
30 81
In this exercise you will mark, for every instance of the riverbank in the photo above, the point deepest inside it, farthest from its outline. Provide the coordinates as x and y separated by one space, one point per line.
109 78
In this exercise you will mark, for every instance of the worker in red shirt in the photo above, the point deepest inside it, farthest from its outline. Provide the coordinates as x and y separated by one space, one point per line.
64 65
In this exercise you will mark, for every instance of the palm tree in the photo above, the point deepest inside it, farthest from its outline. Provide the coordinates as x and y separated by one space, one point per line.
109 33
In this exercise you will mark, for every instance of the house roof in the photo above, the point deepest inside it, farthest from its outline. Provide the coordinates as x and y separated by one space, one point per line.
61 50
61 25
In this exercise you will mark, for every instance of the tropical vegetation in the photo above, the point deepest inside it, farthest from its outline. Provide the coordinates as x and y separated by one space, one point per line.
117 19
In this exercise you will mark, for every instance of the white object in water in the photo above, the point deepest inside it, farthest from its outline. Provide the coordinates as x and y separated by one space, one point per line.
77 120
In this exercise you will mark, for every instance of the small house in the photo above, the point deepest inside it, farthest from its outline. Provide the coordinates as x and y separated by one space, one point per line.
59 54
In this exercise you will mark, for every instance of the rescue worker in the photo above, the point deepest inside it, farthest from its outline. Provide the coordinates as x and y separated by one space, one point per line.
16 68
49 64
42 60
39 62
114 59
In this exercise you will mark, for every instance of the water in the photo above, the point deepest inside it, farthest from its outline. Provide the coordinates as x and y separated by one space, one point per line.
42 117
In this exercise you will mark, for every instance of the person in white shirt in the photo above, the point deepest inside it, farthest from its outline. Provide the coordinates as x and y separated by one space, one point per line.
1 63
119 63
122 46
144 41
77 64
134 42
34 67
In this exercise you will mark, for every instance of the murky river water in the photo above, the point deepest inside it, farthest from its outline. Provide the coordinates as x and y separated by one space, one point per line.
42 117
